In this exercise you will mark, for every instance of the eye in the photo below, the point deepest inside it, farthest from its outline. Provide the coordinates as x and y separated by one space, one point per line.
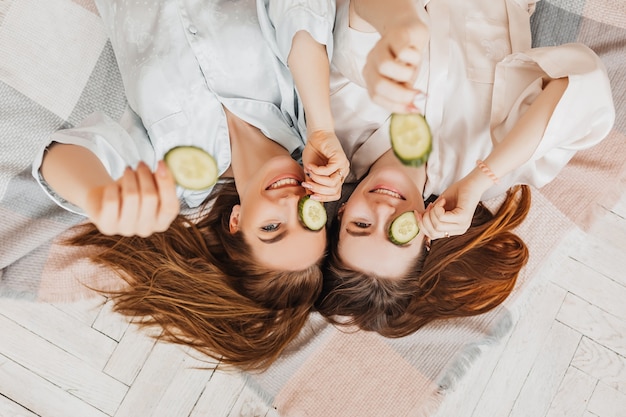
362 225
272 227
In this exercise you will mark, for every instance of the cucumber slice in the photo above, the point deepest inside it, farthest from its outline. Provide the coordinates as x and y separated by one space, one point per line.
404 228
192 167
312 213
411 139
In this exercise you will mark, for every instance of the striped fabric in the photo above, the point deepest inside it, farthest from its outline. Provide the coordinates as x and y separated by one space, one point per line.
56 67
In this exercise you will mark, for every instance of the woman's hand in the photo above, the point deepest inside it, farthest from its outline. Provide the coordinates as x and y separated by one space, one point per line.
139 203
393 64
325 164
452 213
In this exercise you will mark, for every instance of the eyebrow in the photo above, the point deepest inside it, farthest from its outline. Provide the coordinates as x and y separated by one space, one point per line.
366 233
358 234
274 239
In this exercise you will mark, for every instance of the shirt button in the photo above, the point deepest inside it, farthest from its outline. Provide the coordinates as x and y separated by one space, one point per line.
193 30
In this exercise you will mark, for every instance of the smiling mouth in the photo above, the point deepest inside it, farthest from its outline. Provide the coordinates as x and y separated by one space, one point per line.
282 183
390 193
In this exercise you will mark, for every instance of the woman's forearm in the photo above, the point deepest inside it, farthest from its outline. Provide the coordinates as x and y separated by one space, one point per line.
72 171
309 65
521 142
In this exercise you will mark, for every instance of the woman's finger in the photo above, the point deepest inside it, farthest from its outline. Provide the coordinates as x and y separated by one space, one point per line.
109 210
409 56
323 193
391 90
427 226
397 71
434 227
129 211
149 201
169 206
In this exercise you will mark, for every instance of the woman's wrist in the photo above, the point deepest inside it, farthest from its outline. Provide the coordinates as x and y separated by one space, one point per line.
479 181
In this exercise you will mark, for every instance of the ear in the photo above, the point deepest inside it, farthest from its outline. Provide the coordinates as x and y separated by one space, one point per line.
233 223
340 211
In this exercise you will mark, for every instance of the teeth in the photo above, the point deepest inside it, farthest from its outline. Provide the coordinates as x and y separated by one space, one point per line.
283 182
388 192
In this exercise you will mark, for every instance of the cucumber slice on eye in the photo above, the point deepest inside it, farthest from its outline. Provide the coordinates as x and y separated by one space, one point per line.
411 139
312 213
192 167
404 228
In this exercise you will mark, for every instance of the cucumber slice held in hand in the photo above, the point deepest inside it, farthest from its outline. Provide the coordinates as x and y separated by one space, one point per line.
411 139
192 167
312 213
403 228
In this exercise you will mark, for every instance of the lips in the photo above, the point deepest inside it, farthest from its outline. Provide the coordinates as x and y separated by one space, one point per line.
283 183
387 191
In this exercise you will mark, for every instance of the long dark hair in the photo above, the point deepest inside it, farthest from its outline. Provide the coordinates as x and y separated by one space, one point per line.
201 285
460 276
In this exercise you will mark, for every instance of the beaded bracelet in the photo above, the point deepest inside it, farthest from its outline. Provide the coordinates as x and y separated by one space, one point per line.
487 171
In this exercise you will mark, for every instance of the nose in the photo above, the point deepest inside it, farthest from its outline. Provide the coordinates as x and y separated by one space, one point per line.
294 194
385 211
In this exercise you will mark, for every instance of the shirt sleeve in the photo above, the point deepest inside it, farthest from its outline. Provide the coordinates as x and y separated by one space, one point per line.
287 17
117 145
583 117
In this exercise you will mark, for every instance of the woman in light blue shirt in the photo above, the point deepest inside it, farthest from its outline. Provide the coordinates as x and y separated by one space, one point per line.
236 281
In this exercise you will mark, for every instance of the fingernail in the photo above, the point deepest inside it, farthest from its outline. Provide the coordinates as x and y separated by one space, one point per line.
419 93
315 197
306 185
412 109
161 170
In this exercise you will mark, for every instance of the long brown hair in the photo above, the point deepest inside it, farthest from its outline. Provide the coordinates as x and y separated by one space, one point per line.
200 284
460 276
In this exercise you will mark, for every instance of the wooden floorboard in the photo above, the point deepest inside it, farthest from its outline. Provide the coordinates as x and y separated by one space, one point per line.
565 356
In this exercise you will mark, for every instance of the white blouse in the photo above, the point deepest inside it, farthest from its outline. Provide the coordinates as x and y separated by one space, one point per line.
480 75
181 62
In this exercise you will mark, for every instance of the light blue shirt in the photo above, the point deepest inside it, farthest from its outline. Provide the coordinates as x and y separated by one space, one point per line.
181 62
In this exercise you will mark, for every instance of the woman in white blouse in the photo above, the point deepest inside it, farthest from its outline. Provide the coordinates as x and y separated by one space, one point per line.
501 114
236 281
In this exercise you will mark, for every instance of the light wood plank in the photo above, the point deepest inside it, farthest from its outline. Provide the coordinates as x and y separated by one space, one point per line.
59 367
573 394
220 395
249 404
619 208
130 354
547 372
593 287
85 310
603 257
520 353
601 363
9 408
594 323
111 324
607 402
612 228
461 401
60 329
153 380
186 386
39 395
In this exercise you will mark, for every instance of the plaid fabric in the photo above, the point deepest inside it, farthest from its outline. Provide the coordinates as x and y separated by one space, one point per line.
56 67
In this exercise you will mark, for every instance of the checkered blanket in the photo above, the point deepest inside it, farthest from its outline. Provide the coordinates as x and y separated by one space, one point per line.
56 67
